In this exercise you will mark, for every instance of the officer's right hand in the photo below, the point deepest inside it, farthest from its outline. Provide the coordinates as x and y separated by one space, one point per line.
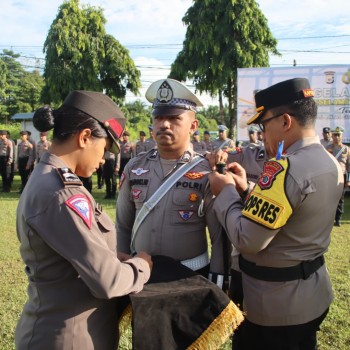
147 257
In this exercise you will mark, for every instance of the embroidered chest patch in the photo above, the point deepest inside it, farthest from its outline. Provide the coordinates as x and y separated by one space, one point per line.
139 171
186 214
81 205
136 193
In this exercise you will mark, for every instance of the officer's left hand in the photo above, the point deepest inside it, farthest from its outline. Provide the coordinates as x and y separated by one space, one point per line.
239 175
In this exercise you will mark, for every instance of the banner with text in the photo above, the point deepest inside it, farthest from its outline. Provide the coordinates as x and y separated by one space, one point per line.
331 84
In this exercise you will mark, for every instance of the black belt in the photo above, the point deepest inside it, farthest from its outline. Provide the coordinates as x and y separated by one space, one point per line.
281 274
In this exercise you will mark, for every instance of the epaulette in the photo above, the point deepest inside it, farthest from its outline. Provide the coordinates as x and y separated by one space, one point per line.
68 177
234 150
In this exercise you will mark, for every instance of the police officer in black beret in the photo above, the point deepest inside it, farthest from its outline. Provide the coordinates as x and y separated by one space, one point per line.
281 228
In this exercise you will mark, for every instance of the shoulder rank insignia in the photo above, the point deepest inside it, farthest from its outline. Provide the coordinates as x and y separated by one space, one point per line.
82 206
260 154
68 177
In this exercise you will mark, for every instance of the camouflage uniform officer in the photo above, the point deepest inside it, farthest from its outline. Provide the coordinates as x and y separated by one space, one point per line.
6 160
222 142
176 226
67 242
342 154
282 229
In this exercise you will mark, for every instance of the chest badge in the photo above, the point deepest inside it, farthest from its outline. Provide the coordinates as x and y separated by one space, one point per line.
193 175
186 214
193 197
139 171
136 193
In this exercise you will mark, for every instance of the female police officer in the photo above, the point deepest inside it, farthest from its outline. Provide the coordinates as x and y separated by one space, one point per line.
67 243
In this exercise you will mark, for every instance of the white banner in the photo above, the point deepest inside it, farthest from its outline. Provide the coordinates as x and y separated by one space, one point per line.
330 83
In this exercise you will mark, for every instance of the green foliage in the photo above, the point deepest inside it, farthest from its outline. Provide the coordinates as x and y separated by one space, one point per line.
81 56
13 128
19 89
223 35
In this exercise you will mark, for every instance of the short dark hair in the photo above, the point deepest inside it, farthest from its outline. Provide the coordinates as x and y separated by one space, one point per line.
65 122
304 111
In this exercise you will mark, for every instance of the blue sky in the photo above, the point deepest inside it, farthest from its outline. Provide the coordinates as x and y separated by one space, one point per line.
312 32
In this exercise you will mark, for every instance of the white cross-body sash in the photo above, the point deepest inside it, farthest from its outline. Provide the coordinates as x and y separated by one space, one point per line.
340 152
159 194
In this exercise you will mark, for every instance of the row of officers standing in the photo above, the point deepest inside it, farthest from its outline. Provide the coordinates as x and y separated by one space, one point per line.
23 155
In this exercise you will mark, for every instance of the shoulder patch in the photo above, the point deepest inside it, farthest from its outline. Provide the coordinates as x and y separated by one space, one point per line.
81 205
268 176
121 181
68 177
268 203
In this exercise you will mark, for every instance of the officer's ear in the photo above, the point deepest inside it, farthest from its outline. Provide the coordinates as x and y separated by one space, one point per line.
287 121
84 137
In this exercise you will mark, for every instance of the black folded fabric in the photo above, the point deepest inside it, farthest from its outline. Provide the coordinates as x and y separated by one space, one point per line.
179 309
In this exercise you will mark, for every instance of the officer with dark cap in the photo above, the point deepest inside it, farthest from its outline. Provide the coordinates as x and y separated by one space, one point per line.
281 228
164 203
141 145
208 142
6 160
341 153
151 142
222 141
198 145
327 137
67 242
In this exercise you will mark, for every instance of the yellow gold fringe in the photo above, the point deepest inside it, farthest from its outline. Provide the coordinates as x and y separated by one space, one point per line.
219 330
125 320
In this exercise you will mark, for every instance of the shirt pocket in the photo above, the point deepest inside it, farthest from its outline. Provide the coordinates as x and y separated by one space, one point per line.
104 222
138 194
185 207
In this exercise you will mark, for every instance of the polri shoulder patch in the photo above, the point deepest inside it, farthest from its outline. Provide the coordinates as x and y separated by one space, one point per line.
82 206
68 177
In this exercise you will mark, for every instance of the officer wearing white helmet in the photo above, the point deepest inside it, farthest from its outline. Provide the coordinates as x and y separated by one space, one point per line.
164 203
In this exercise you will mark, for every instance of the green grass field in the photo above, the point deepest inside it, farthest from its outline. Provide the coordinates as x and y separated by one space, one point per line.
334 334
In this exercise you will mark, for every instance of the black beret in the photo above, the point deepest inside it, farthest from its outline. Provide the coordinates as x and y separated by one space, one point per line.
280 94
142 133
326 130
102 108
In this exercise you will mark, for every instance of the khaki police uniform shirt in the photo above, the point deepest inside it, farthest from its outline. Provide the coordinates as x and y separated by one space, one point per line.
342 154
41 147
223 144
126 150
313 177
6 150
208 145
68 245
141 146
173 228
25 149
199 147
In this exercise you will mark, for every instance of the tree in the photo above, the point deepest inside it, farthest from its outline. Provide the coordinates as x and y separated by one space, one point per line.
80 55
223 35
19 89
